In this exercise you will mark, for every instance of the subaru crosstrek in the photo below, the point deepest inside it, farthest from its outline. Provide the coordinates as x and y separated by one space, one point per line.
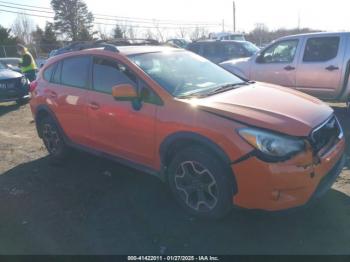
215 139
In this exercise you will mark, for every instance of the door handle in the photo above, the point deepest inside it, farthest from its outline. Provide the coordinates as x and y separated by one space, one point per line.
94 106
289 68
332 68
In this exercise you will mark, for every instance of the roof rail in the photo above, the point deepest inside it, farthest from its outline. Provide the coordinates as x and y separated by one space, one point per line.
132 41
109 45
82 45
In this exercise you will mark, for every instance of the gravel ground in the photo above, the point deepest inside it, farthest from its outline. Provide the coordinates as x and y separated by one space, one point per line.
94 206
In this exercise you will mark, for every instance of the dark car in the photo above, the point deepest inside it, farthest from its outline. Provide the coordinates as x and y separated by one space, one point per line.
13 85
219 51
178 42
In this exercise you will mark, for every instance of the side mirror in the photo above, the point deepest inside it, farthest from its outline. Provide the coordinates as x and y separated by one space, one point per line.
259 58
124 92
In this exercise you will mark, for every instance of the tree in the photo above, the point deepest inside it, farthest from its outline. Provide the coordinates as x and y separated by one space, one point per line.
118 32
46 40
7 40
38 36
261 35
22 28
73 19
199 33
103 33
49 40
50 37
182 32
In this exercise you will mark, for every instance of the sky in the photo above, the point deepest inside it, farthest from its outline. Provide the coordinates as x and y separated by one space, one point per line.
323 15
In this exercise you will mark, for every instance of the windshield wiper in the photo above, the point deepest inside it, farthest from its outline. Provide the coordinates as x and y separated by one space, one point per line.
217 90
227 87
191 95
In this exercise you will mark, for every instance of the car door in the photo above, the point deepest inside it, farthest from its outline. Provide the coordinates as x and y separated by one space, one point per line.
320 69
277 64
66 95
117 127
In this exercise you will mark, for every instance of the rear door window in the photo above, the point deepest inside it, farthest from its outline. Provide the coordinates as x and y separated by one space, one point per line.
108 73
75 71
321 49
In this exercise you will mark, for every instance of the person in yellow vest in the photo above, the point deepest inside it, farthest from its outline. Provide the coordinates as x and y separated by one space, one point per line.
27 65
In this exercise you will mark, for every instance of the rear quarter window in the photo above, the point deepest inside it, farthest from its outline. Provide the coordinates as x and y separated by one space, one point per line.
48 72
56 78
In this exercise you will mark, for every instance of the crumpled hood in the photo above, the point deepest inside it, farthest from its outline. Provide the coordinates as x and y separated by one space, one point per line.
9 74
268 106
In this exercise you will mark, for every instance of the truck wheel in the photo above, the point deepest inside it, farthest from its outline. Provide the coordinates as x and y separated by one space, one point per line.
201 183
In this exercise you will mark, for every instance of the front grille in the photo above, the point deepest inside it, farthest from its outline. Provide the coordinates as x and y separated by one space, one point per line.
329 132
10 83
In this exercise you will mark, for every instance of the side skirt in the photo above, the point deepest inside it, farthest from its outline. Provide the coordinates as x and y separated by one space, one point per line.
116 159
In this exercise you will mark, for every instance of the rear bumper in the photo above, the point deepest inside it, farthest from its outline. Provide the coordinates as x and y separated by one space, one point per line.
280 186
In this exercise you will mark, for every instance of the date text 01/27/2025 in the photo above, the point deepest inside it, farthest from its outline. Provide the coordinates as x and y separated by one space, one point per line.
173 258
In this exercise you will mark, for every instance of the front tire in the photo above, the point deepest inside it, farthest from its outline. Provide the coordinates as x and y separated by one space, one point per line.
53 140
21 101
201 183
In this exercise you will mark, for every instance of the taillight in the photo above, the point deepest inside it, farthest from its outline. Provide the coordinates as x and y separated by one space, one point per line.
32 86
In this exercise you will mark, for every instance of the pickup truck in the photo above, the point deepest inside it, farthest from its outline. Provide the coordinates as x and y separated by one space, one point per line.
317 64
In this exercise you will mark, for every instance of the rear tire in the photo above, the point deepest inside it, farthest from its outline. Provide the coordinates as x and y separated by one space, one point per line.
201 183
53 140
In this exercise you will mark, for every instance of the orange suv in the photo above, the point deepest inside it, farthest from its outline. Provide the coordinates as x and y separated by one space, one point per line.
215 139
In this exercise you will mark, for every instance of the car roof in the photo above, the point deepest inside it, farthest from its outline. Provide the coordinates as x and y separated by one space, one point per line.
219 41
316 34
123 50
134 50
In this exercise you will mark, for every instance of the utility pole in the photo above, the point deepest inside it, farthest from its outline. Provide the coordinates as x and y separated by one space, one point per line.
223 25
234 16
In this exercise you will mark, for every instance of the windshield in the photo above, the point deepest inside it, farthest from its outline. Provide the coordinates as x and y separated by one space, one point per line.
251 48
183 73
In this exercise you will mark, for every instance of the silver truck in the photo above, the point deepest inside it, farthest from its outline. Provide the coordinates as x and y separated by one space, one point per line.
317 64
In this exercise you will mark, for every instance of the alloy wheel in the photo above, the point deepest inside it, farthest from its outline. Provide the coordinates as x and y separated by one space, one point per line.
51 138
197 186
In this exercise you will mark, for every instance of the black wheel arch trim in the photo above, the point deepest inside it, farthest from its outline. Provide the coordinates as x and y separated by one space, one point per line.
186 135
201 140
48 111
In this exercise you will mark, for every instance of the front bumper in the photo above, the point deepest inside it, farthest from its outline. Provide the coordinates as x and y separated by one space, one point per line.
279 186
14 94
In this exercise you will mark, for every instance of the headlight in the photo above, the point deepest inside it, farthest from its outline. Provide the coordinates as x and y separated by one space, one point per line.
273 147
24 81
